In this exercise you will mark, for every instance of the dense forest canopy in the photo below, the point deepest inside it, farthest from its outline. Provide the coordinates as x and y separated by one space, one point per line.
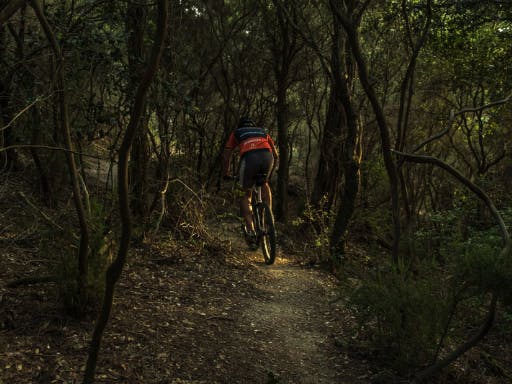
392 121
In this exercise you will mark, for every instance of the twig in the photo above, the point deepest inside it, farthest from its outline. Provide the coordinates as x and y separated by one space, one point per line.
41 213
22 112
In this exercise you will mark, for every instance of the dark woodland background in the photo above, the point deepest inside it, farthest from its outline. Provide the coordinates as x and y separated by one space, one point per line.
392 120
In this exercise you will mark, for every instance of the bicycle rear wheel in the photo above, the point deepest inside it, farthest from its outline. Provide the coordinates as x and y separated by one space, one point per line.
267 233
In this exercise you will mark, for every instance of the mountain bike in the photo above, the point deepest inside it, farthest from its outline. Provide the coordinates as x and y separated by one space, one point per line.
263 220
264 225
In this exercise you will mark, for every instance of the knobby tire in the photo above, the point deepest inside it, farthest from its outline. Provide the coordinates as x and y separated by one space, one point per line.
265 222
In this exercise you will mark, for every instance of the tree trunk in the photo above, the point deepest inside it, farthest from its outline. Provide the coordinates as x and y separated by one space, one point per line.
329 164
283 172
115 269
66 131
8 159
349 155
284 49
46 189
353 39
140 152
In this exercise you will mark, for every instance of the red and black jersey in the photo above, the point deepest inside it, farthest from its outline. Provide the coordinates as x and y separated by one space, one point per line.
249 139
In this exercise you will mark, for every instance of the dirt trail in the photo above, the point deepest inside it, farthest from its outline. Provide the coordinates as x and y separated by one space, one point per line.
293 324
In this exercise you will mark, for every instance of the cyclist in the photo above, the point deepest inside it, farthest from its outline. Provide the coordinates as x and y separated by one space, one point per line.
258 155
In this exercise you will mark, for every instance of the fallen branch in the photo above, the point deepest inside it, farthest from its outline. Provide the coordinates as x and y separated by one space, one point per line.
37 146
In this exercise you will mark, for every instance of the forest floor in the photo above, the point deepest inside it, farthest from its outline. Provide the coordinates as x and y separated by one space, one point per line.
187 312
182 314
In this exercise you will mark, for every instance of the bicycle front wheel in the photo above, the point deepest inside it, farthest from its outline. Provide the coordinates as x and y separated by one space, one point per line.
267 233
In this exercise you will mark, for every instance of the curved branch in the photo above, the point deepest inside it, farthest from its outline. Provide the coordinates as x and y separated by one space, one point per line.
454 355
464 180
66 131
505 252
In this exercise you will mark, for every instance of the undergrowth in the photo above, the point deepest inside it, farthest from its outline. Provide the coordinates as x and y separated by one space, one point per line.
412 314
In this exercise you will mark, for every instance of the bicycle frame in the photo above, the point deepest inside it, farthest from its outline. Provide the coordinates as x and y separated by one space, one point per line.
263 220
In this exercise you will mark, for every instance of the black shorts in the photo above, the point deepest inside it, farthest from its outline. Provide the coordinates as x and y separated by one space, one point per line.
253 163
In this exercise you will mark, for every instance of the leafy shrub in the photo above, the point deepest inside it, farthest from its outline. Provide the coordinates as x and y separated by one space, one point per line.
404 315
414 318
314 227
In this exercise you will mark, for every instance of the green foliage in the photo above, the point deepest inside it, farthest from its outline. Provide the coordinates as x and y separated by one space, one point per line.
411 317
314 225
483 265
405 315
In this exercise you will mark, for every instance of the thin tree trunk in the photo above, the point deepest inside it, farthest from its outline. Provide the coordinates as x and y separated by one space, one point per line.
115 269
406 93
329 164
349 157
42 171
135 26
283 171
66 131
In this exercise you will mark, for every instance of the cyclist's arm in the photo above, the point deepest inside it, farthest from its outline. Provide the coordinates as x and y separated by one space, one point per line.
274 152
228 151
226 162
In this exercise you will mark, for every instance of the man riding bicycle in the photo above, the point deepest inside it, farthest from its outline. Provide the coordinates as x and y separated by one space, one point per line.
258 155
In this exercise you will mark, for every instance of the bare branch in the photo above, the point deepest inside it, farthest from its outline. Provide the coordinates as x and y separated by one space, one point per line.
460 112
464 180
454 355
22 112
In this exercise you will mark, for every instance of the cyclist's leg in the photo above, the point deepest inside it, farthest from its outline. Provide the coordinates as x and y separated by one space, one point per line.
247 173
266 194
246 210
267 160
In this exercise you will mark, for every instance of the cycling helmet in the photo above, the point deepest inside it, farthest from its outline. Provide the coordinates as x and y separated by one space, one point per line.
245 122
